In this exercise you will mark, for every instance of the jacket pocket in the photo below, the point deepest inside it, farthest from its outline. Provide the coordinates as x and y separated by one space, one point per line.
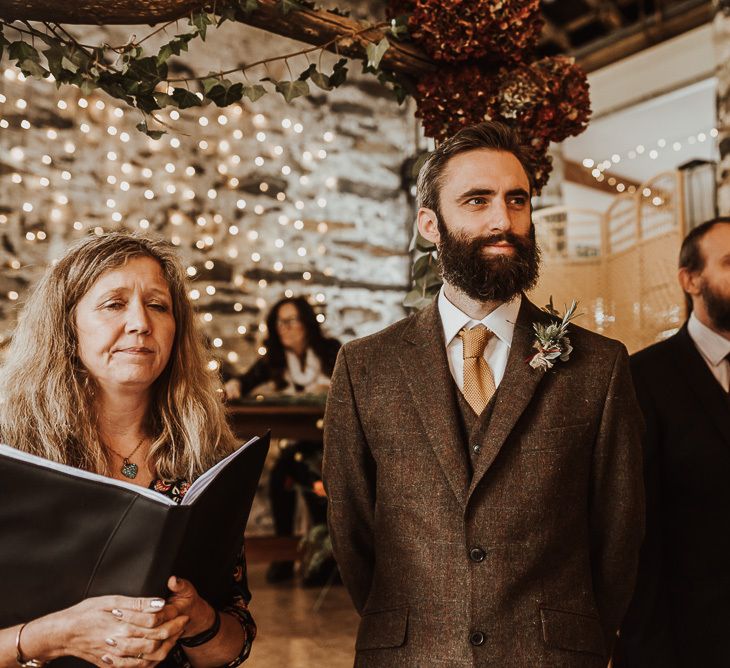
382 628
572 631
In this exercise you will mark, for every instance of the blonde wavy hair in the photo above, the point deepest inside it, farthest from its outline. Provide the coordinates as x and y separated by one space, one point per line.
47 402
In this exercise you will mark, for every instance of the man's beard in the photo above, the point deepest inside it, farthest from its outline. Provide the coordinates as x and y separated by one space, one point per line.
717 305
499 277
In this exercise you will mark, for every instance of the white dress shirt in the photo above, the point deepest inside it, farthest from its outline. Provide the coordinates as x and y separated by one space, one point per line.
713 349
501 321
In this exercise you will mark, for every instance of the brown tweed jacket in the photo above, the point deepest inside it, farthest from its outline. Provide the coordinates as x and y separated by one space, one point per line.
527 560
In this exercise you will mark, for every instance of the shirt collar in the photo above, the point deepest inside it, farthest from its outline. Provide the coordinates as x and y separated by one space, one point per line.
712 346
501 321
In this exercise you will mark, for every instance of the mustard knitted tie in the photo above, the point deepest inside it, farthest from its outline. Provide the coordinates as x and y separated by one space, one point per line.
478 379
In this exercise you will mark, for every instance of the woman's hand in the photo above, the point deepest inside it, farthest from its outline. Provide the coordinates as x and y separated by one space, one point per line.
109 631
185 598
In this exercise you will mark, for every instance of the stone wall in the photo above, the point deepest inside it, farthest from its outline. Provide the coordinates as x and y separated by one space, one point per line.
262 198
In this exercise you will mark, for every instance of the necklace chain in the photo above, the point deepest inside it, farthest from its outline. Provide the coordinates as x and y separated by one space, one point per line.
128 470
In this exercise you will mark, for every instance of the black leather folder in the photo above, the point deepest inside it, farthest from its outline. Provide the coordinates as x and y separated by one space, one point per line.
66 535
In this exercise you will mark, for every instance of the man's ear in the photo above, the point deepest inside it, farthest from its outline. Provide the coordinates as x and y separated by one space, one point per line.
690 281
427 221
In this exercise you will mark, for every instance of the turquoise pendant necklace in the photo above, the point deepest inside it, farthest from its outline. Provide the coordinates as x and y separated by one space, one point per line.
128 470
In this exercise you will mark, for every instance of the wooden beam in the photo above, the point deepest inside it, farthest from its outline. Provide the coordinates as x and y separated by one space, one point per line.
552 33
306 25
633 39
607 12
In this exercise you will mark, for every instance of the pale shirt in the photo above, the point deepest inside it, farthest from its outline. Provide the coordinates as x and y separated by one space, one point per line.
501 321
713 349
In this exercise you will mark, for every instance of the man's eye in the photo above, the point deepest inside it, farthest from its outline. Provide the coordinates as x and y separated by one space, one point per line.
477 201
518 201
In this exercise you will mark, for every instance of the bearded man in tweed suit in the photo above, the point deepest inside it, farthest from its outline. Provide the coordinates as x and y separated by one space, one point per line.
483 512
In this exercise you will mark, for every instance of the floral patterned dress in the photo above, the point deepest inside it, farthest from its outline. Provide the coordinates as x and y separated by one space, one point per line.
240 594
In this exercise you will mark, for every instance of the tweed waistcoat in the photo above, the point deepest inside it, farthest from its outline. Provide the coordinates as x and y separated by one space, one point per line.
473 426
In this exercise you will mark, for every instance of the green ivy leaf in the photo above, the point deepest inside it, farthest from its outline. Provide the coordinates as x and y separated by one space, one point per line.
254 92
399 26
390 81
375 52
225 92
227 13
3 42
87 86
248 6
155 134
292 89
30 68
185 99
320 80
21 51
147 70
174 47
339 74
211 81
164 100
421 265
66 64
200 22
308 72
147 102
285 6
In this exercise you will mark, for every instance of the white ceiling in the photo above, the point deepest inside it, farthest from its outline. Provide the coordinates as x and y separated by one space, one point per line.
662 95
678 117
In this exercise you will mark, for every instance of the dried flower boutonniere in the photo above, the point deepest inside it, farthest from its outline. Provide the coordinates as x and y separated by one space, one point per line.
551 341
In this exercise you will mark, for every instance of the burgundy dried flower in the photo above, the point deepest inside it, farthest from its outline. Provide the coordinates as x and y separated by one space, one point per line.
544 101
458 30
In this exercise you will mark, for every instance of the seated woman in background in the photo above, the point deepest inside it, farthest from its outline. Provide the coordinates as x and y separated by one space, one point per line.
107 372
299 358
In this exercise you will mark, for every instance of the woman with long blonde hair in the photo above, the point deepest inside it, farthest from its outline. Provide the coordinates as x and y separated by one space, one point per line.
107 372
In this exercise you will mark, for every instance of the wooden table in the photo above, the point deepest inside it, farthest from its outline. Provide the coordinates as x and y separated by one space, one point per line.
295 421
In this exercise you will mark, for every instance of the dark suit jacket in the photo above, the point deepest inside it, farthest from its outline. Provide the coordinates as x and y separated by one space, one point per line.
680 614
554 506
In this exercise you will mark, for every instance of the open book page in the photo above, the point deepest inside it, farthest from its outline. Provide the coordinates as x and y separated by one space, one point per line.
200 484
13 453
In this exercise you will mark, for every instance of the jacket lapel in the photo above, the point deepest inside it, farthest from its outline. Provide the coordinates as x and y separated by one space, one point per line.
707 390
426 370
515 391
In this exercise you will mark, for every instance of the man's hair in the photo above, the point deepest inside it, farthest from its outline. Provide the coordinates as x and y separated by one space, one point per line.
487 135
691 257
47 397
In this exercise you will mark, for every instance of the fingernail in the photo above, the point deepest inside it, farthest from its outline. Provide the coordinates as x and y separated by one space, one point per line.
107 659
111 642
117 612
157 603
174 580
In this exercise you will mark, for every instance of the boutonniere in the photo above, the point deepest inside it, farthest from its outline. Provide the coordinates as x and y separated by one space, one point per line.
551 341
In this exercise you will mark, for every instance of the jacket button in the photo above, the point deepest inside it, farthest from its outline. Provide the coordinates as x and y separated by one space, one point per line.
477 554
476 638
477 449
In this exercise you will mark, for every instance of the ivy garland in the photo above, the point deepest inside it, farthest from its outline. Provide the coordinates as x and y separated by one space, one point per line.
486 69
143 81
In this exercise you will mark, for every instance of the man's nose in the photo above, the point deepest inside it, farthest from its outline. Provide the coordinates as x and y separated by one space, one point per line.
499 218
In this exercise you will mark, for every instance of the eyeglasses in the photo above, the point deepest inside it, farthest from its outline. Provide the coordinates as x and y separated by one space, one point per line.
288 322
